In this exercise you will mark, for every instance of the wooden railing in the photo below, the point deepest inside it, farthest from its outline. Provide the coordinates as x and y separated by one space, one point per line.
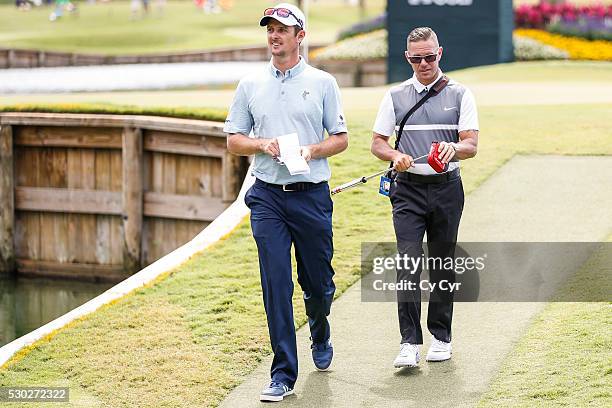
24 58
100 196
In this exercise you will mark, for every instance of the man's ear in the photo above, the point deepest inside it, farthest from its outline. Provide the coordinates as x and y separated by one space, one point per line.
301 36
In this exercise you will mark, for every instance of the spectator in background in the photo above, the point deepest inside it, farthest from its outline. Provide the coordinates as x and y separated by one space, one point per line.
60 7
212 7
26 5
22 5
137 5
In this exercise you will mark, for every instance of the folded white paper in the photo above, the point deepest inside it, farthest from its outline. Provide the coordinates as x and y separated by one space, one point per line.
290 154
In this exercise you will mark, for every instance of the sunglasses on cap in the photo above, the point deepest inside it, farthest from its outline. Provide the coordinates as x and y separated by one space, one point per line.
417 59
284 13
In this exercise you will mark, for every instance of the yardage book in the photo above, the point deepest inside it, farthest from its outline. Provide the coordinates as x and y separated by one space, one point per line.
290 154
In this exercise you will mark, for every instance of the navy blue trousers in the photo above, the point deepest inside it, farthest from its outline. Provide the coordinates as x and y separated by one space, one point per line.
304 219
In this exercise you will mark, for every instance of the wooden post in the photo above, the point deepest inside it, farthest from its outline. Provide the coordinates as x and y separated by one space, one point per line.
7 201
132 199
232 176
42 58
11 59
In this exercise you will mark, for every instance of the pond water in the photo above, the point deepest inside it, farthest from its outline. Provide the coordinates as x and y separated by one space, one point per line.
26 303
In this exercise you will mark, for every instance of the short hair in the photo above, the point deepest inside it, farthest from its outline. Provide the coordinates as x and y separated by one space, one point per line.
422 34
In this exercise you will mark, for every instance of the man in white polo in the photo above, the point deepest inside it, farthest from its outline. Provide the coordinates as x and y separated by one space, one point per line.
423 200
290 96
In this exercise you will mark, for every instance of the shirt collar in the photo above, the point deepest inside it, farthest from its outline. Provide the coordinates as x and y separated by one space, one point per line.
290 73
420 87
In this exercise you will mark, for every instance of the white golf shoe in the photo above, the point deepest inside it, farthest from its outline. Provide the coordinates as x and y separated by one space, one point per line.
408 356
438 351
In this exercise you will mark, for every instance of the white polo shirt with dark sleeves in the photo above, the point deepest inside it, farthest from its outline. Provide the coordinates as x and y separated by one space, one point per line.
303 100
440 119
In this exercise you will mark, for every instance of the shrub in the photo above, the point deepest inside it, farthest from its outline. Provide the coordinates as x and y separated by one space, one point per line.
362 47
363 27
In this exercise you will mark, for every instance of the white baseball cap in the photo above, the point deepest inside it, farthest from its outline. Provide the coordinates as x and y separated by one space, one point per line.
285 13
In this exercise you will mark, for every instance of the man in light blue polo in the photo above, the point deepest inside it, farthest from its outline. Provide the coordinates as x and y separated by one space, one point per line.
290 96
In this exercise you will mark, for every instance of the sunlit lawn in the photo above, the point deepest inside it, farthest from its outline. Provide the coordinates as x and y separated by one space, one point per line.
107 27
191 337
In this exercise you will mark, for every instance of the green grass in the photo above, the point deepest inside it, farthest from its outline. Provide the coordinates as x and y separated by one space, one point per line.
538 71
360 100
565 357
217 115
199 330
106 28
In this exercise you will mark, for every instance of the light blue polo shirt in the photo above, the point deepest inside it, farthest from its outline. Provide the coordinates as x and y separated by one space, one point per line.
304 100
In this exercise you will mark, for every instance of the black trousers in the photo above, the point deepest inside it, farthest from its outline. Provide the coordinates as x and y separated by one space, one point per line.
435 209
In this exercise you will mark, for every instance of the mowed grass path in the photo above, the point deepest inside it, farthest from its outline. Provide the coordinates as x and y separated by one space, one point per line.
106 28
194 334
565 357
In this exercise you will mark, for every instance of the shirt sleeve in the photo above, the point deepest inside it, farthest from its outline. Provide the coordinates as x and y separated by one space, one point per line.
468 117
333 116
239 118
385 119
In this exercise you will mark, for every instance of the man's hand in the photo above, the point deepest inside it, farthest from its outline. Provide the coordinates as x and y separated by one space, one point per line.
402 162
270 146
446 151
306 153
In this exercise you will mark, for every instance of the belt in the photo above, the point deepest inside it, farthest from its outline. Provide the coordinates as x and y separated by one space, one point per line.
293 187
430 178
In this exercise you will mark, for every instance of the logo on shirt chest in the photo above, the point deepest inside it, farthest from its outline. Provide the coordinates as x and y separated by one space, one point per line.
305 94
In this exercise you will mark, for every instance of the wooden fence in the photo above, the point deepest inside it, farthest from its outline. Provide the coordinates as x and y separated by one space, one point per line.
24 58
100 196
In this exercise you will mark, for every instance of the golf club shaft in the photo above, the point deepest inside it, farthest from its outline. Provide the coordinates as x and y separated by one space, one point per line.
363 180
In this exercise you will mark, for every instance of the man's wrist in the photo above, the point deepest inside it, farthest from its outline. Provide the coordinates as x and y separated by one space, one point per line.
261 146
314 151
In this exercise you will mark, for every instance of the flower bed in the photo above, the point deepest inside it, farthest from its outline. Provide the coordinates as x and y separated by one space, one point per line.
528 46
542 14
591 28
593 21
359 48
578 48
528 49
